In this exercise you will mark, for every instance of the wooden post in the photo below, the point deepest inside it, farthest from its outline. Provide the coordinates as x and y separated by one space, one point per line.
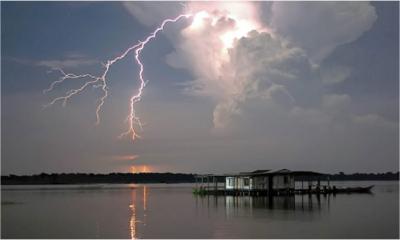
250 185
224 184
235 183
328 182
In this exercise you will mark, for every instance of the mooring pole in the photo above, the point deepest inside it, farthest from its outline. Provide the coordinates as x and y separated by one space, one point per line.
328 182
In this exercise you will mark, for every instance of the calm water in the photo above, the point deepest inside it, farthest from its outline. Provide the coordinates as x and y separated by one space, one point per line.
171 211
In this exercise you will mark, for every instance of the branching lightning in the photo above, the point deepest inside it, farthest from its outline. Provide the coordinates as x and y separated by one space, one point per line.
101 81
224 22
137 97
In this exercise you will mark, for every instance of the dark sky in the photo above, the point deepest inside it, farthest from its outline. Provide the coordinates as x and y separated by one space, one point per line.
318 90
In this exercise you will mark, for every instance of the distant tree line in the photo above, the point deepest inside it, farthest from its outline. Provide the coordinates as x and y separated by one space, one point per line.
364 176
87 178
91 178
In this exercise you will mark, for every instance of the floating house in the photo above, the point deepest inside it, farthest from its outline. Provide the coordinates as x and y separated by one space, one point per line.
259 182
270 182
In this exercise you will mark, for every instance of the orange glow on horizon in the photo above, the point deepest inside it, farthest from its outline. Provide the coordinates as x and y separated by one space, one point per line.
141 169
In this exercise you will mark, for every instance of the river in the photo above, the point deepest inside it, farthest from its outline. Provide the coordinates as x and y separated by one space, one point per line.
172 211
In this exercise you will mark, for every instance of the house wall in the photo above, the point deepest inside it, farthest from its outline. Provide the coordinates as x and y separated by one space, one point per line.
260 182
243 183
280 183
238 183
229 183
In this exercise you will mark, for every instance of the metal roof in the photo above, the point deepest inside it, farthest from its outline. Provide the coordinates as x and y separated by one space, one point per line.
264 172
307 173
276 172
261 171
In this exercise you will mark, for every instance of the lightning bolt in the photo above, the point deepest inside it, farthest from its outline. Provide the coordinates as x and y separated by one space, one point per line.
137 97
101 81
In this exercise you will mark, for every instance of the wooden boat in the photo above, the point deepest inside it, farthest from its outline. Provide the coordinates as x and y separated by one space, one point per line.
354 189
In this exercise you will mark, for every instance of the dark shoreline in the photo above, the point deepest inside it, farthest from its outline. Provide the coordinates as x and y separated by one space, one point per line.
123 178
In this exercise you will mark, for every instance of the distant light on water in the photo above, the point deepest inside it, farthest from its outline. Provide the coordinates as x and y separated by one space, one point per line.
137 216
132 221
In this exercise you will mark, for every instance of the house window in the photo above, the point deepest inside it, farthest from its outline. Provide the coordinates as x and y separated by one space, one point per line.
230 182
285 179
246 182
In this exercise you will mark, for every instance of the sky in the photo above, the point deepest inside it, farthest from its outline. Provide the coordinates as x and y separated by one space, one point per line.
232 87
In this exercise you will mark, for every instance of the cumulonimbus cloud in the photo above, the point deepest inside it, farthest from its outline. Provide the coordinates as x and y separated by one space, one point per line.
274 60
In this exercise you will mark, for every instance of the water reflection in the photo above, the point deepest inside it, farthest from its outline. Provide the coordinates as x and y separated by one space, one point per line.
303 202
144 198
132 221
250 205
138 216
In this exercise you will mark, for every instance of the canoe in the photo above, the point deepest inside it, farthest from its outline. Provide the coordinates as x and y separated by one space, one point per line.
354 189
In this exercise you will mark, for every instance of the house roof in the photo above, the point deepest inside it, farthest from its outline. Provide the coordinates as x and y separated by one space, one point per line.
261 171
307 173
276 172
264 172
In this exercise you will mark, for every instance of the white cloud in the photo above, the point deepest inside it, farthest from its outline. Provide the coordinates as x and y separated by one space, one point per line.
71 61
319 27
336 102
334 74
257 66
374 120
263 59
152 13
